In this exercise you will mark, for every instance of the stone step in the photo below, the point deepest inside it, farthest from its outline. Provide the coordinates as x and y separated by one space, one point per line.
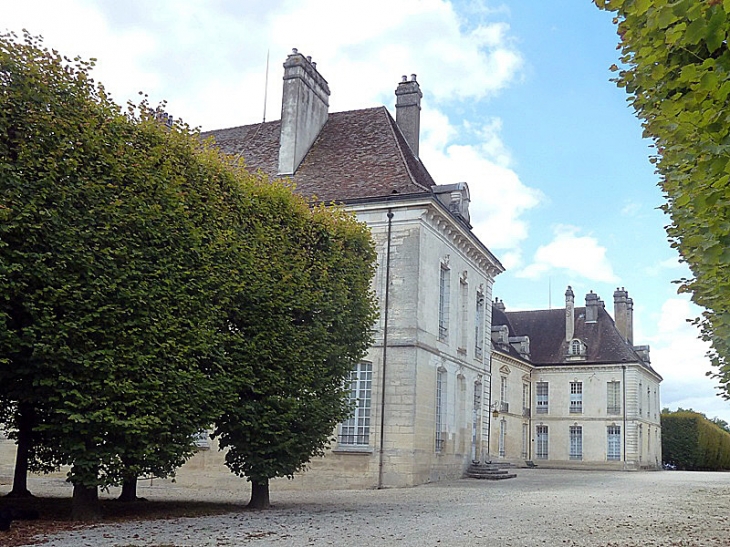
490 471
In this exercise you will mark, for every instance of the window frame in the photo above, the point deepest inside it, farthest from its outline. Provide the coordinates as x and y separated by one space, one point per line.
576 397
542 401
355 431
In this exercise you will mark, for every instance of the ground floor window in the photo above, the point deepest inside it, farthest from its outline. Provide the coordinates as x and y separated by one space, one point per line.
440 404
613 434
541 448
356 430
525 440
576 442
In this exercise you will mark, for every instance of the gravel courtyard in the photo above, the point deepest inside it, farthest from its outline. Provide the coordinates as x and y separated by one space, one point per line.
540 507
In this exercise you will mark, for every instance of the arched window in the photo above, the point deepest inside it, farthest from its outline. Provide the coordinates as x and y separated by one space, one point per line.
575 347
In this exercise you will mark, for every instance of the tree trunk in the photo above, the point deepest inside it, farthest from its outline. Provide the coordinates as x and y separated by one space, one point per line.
259 495
26 422
85 506
129 490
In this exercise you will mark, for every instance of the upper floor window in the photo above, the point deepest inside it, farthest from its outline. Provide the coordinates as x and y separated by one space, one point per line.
613 398
444 303
575 347
542 397
639 397
576 397
464 312
525 399
479 327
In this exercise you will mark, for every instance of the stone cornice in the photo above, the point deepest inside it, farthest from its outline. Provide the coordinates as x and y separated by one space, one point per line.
463 240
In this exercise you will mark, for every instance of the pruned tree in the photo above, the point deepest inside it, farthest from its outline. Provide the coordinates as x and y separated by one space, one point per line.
110 227
298 323
676 70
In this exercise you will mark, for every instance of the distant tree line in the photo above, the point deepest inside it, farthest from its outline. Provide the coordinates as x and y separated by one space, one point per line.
691 441
151 288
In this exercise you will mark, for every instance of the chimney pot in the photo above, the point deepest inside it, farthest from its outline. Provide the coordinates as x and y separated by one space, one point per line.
404 78
413 77
294 51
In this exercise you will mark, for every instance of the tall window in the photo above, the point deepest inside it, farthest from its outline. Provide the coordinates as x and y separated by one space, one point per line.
613 436
542 397
356 430
463 332
576 397
503 404
440 404
613 398
525 440
541 448
525 399
576 442
444 304
502 437
639 397
648 402
479 328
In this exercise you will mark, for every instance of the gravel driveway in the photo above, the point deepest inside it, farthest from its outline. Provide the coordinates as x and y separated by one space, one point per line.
541 507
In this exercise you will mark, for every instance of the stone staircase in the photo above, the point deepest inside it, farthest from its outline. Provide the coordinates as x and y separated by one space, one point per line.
490 471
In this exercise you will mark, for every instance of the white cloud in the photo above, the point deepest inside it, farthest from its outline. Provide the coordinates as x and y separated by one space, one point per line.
208 59
475 154
572 253
680 357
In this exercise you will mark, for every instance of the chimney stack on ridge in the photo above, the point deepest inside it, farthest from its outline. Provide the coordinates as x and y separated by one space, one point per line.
592 304
408 110
569 314
623 312
304 110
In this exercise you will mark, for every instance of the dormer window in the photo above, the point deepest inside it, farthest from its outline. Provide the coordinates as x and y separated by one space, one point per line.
576 349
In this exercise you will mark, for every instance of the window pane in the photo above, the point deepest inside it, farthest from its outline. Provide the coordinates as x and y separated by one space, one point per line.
356 430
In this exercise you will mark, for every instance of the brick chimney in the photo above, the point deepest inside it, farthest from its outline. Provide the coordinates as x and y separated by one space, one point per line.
408 110
623 314
304 109
569 314
592 305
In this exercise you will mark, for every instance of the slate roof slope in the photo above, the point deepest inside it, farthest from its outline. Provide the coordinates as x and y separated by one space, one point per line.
359 154
546 329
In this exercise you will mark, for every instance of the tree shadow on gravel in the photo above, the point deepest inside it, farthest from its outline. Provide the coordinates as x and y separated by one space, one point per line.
54 515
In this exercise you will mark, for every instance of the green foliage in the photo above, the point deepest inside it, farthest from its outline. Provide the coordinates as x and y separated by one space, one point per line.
692 442
108 231
300 322
677 75
149 287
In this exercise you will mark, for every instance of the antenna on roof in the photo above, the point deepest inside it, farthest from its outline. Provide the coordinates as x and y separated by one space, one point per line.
266 84
550 293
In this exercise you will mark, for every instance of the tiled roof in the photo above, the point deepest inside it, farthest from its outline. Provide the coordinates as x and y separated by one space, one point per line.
358 154
546 330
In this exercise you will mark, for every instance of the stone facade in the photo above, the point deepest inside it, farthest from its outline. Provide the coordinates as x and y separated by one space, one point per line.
584 396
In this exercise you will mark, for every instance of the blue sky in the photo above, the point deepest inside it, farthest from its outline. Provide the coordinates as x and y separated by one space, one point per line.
517 102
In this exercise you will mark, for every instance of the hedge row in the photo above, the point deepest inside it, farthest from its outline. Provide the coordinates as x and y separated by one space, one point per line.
692 442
